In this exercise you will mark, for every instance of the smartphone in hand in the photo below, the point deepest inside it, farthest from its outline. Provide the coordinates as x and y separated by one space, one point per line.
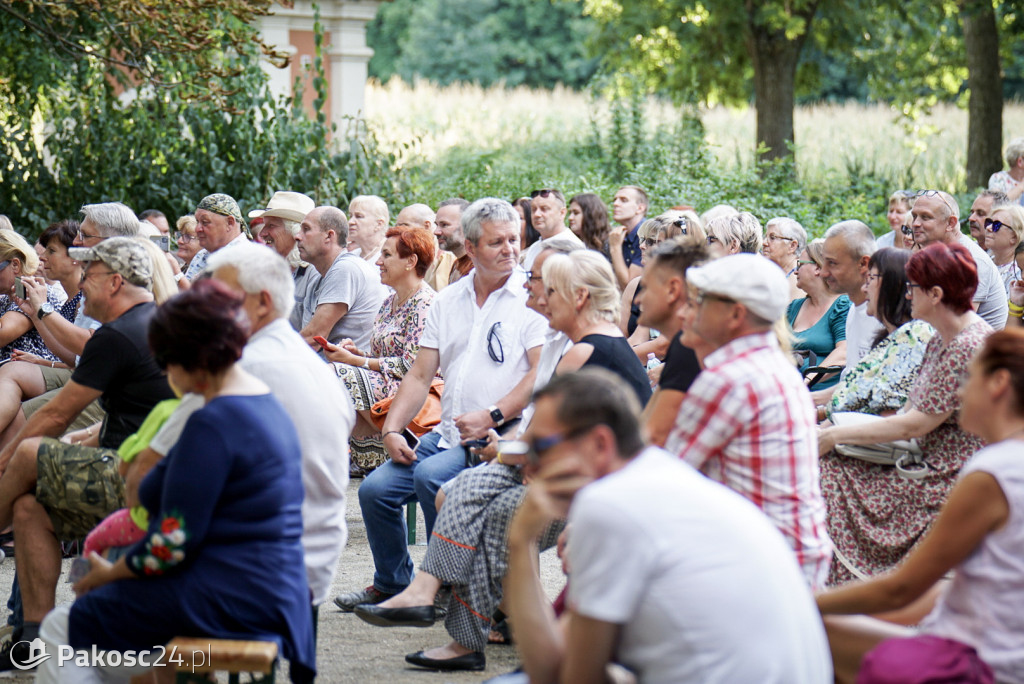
19 288
321 341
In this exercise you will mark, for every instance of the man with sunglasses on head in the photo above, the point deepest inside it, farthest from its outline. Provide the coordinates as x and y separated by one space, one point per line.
486 343
548 210
747 420
671 576
937 219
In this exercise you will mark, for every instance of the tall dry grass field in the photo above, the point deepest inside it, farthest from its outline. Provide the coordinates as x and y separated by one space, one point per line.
832 141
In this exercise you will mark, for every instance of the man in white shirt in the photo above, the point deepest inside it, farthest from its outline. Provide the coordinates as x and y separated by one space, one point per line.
674 576
310 393
486 343
548 210
847 250
937 219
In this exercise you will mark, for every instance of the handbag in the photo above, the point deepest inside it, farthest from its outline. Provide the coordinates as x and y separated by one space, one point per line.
903 454
923 659
424 421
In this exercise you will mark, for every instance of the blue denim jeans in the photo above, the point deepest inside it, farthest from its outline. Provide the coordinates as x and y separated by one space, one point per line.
391 486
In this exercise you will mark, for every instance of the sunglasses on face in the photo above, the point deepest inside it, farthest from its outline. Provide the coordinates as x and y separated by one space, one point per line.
994 226
907 230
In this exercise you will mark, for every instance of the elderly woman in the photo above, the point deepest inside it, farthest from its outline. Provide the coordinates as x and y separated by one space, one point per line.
18 260
185 238
784 240
588 219
819 319
368 219
374 374
880 382
973 629
583 302
875 516
1011 181
1004 231
732 234
208 565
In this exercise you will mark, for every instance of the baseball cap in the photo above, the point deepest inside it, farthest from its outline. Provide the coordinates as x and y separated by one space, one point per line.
750 279
124 255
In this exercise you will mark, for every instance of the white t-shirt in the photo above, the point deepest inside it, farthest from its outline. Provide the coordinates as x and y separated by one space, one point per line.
323 416
704 586
991 294
861 331
887 240
537 247
982 606
482 350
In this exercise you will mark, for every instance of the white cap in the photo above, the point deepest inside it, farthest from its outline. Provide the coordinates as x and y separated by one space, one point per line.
750 279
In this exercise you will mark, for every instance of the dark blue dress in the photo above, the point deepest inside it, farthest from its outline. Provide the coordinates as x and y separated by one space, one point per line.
222 556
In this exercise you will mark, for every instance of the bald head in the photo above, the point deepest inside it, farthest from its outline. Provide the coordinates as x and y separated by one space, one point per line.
416 216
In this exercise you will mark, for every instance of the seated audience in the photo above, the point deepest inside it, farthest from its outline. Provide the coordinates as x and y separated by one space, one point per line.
1004 232
728 605
368 221
205 565
818 320
186 240
373 374
549 219
981 209
733 234
972 632
19 260
880 383
527 233
784 242
876 516
1011 181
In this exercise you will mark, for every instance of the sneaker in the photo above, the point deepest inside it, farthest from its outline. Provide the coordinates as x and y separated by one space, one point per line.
20 652
348 602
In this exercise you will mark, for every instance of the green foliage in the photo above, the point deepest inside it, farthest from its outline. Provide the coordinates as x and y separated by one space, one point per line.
539 43
78 141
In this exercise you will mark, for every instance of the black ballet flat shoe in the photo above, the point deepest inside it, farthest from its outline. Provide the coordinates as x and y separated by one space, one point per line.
473 662
414 616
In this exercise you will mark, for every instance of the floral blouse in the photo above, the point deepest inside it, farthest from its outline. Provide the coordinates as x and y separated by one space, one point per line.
31 341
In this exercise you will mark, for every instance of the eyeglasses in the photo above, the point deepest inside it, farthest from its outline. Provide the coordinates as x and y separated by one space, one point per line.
994 226
941 195
907 230
85 236
772 237
712 238
873 276
649 241
706 296
539 446
4 264
184 238
90 274
910 288
533 275
494 340
801 262
681 224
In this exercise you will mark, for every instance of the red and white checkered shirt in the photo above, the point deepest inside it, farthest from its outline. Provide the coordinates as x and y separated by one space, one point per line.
748 422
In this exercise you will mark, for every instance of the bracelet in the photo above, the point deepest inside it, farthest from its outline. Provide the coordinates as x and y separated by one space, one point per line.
88 431
499 458
390 432
178 276
1016 307
53 364
1017 314
366 362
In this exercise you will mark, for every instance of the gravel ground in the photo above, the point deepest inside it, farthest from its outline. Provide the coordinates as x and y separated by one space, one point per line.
348 649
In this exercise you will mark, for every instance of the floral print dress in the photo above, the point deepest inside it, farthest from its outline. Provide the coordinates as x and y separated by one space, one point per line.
31 341
875 517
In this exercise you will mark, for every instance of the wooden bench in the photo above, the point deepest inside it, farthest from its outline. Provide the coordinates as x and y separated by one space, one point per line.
189 657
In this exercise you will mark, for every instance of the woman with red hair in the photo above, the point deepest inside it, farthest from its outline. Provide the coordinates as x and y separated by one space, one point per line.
375 373
875 515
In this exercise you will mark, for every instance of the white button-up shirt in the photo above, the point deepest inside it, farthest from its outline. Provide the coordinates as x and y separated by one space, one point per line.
463 332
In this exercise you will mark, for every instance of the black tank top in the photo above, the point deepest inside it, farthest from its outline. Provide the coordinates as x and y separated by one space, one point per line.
615 354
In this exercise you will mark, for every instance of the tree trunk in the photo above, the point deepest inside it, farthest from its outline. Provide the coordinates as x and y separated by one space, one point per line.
985 108
775 57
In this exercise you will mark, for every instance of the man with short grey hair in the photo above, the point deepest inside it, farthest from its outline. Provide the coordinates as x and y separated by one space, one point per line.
548 209
847 250
105 220
486 344
310 393
982 207
937 219
344 302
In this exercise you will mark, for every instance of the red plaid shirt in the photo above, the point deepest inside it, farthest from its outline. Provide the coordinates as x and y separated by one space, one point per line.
748 422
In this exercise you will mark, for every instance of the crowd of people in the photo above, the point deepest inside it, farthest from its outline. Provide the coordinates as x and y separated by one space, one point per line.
760 455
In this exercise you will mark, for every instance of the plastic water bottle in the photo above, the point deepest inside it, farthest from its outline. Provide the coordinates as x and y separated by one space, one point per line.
652 361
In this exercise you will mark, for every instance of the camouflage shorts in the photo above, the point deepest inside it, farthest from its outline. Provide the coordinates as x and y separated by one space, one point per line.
78 486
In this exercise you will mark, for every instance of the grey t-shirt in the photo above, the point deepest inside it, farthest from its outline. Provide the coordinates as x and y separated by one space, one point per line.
991 294
354 282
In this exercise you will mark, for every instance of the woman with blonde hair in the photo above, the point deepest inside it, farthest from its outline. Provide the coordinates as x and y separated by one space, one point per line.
18 259
164 285
185 238
1004 231
582 301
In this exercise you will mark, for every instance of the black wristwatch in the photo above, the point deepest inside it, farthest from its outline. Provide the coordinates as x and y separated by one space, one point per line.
45 310
496 415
